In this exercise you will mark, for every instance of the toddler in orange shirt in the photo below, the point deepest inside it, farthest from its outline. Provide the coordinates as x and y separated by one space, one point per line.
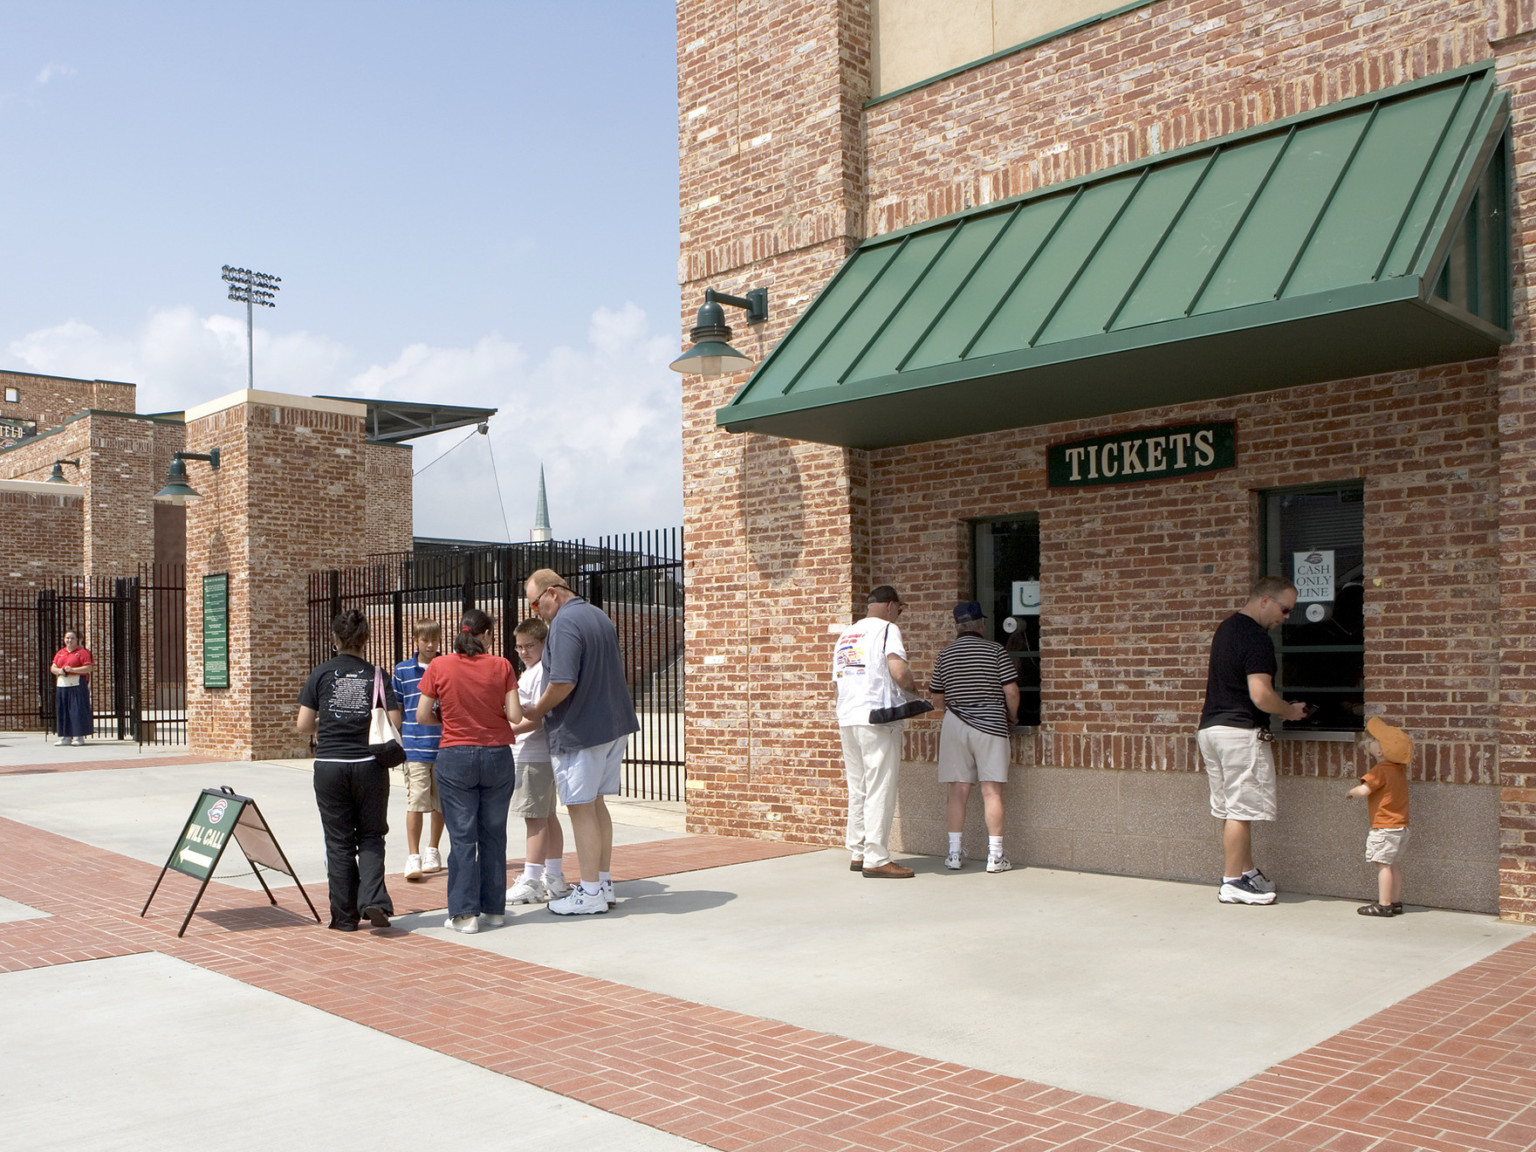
1386 786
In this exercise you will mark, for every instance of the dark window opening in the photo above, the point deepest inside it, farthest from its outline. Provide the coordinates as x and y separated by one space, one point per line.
1005 563
1315 537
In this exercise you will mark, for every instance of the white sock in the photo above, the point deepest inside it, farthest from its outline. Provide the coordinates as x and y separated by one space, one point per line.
555 869
591 889
954 841
1230 879
605 877
994 845
533 871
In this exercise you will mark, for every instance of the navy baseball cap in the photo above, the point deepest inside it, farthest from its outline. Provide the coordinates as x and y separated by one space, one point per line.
968 611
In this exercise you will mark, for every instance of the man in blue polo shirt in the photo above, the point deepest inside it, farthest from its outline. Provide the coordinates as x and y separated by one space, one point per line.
588 718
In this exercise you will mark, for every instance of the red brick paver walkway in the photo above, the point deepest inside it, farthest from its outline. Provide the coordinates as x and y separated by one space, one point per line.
1452 1069
45 768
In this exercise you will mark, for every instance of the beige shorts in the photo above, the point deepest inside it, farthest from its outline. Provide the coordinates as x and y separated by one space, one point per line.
966 755
1240 768
534 796
1386 845
420 787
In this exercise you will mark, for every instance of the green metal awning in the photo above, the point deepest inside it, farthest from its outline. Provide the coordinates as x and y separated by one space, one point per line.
1367 236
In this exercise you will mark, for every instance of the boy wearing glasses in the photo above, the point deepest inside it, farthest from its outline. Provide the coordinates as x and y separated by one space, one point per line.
543 877
1234 738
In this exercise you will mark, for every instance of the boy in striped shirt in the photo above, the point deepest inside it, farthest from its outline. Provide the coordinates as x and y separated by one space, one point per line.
420 742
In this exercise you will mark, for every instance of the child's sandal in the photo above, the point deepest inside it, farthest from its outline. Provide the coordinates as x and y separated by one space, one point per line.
1374 910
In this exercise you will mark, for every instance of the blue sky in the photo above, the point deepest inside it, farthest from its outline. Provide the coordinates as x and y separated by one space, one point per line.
468 202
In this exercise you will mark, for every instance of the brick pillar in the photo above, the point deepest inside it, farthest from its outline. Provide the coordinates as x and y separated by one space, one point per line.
288 499
772 196
1517 502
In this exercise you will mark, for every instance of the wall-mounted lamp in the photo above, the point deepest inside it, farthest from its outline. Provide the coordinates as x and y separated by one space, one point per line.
57 475
710 355
177 490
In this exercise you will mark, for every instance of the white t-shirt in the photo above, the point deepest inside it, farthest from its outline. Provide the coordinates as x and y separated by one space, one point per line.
859 669
532 747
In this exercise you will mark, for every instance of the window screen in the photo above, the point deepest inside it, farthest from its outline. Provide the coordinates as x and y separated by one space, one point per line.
1315 537
1005 558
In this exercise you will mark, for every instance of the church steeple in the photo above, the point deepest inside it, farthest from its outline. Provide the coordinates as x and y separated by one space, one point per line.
541 529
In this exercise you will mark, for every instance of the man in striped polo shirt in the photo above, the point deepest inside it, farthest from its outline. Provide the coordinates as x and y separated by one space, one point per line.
976 687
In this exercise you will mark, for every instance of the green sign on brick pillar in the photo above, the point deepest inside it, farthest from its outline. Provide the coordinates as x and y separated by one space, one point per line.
216 630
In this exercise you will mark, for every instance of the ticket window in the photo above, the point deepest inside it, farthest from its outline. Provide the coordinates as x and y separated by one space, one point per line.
1315 537
1005 562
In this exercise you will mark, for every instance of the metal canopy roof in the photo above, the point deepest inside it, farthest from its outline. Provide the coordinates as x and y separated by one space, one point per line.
1367 236
395 421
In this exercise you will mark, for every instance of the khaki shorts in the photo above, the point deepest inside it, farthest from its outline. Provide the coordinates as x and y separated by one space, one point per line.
534 796
1240 768
966 755
1386 845
420 787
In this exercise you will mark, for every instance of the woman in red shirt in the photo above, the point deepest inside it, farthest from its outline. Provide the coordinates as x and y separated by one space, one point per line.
473 695
71 670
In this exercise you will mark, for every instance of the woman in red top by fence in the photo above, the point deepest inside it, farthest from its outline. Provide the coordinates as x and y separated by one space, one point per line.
473 695
71 670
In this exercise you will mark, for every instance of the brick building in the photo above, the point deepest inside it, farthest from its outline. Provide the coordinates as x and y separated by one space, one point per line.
303 484
1267 259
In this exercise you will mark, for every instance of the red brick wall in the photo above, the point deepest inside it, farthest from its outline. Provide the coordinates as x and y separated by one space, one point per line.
783 171
51 400
390 505
122 464
41 534
288 499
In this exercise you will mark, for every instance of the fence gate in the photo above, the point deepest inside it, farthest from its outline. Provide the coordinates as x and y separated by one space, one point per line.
637 579
135 628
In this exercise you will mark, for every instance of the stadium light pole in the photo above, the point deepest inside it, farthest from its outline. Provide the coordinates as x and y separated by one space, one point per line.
252 288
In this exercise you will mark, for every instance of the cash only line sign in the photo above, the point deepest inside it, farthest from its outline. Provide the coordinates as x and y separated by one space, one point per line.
1146 454
219 816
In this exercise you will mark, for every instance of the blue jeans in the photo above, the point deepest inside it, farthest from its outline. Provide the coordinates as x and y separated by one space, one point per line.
474 786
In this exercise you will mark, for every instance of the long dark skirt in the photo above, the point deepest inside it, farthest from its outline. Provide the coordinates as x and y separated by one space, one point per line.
73 706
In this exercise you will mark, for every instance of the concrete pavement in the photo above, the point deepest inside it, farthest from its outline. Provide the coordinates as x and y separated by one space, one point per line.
1146 996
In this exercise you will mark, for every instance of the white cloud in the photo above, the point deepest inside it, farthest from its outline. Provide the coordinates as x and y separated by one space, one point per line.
52 71
604 418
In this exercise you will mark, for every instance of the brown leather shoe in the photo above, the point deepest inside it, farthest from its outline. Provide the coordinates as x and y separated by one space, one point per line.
856 866
890 869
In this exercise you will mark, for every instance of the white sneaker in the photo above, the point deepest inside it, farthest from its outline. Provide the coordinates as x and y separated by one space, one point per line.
80 740
605 889
953 861
578 903
63 742
463 923
998 864
555 887
431 861
1262 882
527 890
1242 891
412 868
494 919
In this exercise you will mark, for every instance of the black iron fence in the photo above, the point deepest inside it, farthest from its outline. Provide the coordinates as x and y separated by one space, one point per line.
637 579
135 628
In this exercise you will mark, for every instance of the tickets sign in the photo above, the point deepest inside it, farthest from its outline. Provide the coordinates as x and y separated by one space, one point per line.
1147 454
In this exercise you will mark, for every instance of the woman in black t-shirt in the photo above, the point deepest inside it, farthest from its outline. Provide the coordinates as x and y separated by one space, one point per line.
351 789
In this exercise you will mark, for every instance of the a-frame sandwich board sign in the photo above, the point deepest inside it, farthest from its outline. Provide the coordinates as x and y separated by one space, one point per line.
219 816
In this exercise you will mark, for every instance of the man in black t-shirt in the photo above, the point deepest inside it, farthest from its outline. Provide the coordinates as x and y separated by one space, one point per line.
1234 736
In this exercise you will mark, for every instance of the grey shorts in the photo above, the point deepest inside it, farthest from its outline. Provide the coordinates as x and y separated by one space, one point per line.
534 796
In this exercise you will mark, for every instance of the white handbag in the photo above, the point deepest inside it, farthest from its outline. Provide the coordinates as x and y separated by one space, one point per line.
383 738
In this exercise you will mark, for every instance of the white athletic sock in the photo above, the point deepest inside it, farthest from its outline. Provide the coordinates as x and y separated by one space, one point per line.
954 841
591 889
555 868
533 871
605 877
1230 879
994 845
